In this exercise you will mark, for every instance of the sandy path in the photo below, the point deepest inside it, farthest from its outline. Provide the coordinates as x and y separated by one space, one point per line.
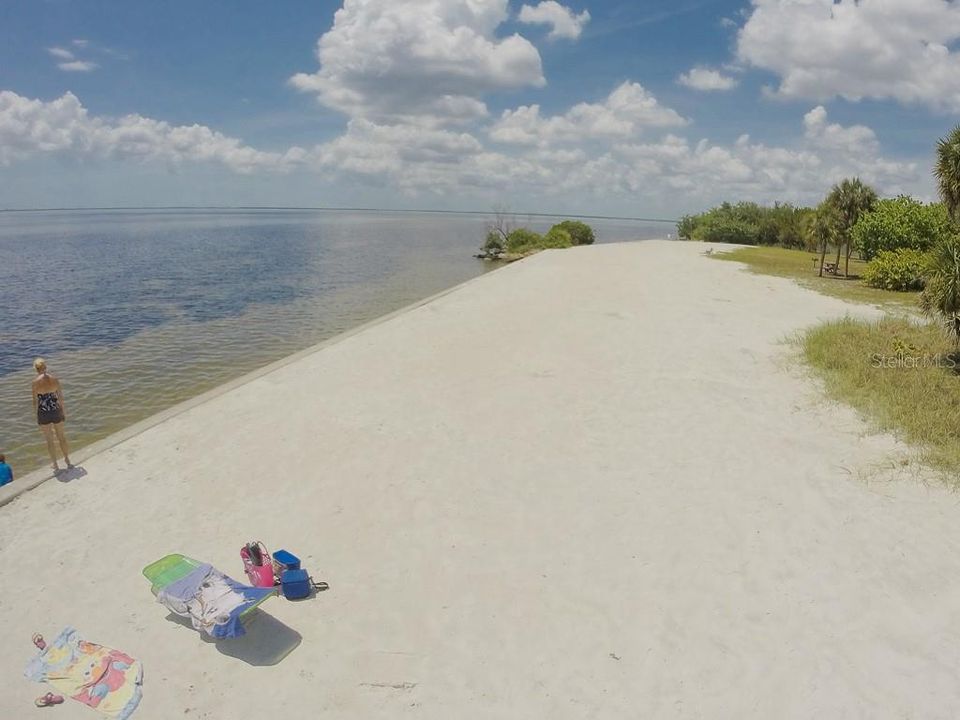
589 485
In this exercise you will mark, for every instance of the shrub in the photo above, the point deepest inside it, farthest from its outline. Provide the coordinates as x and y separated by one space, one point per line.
899 223
522 240
494 242
901 269
580 233
748 223
687 226
722 229
557 237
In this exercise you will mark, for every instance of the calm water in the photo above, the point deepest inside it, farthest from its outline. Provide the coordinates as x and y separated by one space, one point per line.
138 310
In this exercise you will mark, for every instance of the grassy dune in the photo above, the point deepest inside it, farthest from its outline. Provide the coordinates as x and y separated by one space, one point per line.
904 376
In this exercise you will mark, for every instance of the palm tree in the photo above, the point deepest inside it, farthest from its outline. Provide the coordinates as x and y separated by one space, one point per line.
823 230
941 297
947 172
850 198
942 293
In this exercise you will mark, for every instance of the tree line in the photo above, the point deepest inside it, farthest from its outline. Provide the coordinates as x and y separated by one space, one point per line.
908 244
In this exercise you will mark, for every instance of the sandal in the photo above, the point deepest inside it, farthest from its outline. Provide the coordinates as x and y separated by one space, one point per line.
48 700
39 641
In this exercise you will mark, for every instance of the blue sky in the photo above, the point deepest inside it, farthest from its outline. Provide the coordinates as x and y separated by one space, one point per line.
649 108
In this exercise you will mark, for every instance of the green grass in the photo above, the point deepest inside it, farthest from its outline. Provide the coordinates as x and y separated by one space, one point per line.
901 375
798 265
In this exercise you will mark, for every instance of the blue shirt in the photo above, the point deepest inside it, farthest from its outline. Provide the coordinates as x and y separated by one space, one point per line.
6 474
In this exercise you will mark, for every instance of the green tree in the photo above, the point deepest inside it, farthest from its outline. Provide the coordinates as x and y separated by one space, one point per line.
947 172
850 198
941 297
899 223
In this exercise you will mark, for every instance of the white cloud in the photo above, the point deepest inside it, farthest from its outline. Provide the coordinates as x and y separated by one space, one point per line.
404 155
78 66
60 53
576 156
80 42
855 49
856 139
701 78
800 173
563 22
429 61
30 127
69 61
674 171
625 112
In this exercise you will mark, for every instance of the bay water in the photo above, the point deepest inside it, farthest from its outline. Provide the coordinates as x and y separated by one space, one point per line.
137 310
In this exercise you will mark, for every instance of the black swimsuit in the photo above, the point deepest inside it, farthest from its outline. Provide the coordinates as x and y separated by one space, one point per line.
48 409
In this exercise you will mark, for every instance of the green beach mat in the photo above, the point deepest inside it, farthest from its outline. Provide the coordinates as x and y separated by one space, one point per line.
168 570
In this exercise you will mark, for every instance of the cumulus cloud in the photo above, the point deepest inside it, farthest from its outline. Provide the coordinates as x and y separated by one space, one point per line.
701 78
881 49
428 61
590 150
855 139
404 155
567 156
63 126
625 113
800 173
563 22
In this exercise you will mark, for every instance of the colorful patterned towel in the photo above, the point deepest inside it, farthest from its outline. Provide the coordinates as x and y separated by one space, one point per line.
107 680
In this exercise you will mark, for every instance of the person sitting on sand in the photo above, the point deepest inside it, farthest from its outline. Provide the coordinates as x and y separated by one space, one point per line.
6 472
51 411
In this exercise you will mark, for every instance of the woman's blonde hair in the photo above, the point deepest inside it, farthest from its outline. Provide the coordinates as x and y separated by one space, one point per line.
39 364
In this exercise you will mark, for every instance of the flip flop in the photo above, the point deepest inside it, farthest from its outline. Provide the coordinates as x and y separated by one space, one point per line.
48 700
39 641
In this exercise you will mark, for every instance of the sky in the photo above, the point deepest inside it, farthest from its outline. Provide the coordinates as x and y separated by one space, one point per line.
636 108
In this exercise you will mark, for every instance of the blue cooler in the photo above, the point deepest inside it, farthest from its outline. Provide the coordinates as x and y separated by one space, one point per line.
295 584
283 561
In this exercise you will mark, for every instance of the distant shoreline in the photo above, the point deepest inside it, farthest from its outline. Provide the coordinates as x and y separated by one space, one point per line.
335 209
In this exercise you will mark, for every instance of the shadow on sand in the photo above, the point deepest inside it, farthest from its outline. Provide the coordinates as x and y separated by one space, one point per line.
267 641
70 474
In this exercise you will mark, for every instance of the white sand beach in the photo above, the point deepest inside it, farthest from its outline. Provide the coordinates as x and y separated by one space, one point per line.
594 484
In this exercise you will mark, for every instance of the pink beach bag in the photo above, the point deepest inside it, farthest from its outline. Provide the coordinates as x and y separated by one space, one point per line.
258 564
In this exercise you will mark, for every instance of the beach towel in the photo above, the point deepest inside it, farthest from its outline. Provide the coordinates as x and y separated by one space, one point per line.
212 601
107 680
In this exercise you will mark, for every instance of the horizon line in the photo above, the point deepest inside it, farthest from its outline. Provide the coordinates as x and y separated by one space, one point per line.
338 209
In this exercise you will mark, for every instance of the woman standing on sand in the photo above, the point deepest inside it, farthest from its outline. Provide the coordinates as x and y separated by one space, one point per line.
51 410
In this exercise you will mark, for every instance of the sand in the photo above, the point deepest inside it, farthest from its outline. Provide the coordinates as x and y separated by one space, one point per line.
593 484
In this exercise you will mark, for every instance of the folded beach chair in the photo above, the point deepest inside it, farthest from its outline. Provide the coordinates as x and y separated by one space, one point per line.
215 604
